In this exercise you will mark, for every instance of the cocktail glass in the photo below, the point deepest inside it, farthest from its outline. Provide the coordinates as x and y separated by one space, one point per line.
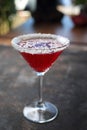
40 51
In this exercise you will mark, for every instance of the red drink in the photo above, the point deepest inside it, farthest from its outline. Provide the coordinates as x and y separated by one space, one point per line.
40 62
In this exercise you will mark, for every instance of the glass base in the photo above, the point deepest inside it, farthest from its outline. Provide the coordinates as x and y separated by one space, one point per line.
40 112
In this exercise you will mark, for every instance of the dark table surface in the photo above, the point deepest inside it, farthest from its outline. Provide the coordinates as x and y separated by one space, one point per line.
65 85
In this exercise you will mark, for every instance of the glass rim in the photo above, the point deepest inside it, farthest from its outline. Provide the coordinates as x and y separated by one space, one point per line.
63 40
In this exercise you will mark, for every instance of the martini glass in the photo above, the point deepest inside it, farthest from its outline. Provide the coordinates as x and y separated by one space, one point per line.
40 51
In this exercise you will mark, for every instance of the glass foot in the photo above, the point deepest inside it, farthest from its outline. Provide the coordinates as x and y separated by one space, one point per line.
40 113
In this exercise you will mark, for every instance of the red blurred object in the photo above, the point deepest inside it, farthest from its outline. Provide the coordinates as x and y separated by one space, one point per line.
79 19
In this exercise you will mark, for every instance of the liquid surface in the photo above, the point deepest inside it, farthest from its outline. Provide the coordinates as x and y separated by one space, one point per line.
40 45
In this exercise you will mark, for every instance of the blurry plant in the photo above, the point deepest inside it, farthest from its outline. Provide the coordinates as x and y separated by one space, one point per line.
79 2
7 9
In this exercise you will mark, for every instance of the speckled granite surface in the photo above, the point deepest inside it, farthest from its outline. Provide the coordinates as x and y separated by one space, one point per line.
65 85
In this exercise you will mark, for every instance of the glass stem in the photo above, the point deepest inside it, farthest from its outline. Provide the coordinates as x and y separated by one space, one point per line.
40 89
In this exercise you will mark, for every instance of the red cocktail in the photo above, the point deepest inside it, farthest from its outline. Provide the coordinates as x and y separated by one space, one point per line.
40 51
40 62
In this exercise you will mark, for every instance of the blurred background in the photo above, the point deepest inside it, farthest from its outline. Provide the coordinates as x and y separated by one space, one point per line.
48 16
